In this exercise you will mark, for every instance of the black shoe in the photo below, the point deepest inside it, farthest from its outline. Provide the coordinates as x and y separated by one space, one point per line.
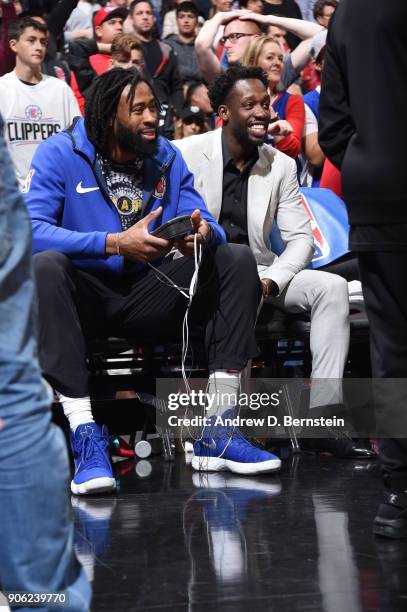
338 445
391 517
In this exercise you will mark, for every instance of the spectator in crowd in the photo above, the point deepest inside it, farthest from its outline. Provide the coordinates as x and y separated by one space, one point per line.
36 528
170 19
219 6
257 6
286 132
240 28
80 24
108 23
89 58
373 169
246 184
318 47
192 121
160 65
319 170
170 25
34 105
284 8
183 44
323 11
280 34
132 182
311 75
299 58
54 63
313 156
127 52
197 97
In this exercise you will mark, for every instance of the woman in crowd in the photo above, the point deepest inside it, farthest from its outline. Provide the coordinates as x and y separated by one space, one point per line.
191 122
286 130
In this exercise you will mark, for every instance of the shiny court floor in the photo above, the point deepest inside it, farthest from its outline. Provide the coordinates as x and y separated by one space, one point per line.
176 540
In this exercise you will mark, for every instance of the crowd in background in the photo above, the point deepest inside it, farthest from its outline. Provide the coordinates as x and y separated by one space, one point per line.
180 46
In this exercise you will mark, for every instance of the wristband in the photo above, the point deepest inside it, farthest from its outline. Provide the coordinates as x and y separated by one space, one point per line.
117 244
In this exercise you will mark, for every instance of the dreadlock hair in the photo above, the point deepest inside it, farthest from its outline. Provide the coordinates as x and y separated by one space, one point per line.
220 89
103 100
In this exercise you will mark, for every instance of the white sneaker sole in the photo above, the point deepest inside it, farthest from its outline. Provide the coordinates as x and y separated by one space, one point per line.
96 485
218 464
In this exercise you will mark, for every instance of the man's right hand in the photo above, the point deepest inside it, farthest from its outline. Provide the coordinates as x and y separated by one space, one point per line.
280 128
137 244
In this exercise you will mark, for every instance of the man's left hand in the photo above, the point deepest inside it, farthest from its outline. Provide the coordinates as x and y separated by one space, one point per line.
201 228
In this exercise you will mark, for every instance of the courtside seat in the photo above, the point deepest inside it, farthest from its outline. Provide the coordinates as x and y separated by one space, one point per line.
123 364
122 356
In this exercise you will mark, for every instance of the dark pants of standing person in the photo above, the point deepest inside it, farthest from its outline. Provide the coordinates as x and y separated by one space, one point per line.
75 306
384 280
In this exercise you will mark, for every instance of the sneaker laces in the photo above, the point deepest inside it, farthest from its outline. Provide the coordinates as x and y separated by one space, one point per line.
89 451
234 434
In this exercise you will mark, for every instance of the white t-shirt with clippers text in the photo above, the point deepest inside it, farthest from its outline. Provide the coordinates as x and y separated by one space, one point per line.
31 114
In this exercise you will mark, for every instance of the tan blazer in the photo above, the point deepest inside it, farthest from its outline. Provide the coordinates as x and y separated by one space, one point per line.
272 193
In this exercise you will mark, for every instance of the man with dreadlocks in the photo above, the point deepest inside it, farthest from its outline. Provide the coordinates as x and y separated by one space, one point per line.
95 192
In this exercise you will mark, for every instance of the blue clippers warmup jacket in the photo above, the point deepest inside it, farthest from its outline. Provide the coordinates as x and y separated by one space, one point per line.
69 204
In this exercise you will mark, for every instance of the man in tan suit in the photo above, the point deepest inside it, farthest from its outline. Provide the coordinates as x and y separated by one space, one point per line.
247 185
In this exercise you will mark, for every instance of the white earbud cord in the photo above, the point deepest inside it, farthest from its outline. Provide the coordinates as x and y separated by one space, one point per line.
163 278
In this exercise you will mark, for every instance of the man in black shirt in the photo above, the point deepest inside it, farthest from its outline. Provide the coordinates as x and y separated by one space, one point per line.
183 43
160 65
233 216
373 172
247 184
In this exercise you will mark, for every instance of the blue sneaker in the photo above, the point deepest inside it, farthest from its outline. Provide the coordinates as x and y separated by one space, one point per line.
229 450
93 472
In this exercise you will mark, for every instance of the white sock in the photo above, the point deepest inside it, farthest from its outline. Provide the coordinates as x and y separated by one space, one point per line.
77 410
225 385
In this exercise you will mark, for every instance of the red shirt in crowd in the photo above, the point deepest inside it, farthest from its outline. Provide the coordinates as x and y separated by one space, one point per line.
100 63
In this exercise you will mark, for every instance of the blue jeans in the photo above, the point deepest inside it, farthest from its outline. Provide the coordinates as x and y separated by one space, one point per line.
36 529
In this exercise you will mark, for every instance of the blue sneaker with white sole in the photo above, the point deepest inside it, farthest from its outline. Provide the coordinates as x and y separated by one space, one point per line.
93 471
225 448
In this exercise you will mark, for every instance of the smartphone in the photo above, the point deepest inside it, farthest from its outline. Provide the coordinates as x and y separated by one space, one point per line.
174 228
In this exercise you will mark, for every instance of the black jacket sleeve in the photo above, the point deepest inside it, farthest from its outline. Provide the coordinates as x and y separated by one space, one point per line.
59 15
335 124
78 59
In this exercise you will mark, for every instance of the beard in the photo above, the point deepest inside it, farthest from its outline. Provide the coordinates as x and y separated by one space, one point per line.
133 142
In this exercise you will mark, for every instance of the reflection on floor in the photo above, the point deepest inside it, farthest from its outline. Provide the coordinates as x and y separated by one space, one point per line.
176 540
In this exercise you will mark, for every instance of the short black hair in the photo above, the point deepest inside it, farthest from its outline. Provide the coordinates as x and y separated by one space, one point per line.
103 100
220 89
136 2
190 90
318 10
17 28
187 7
